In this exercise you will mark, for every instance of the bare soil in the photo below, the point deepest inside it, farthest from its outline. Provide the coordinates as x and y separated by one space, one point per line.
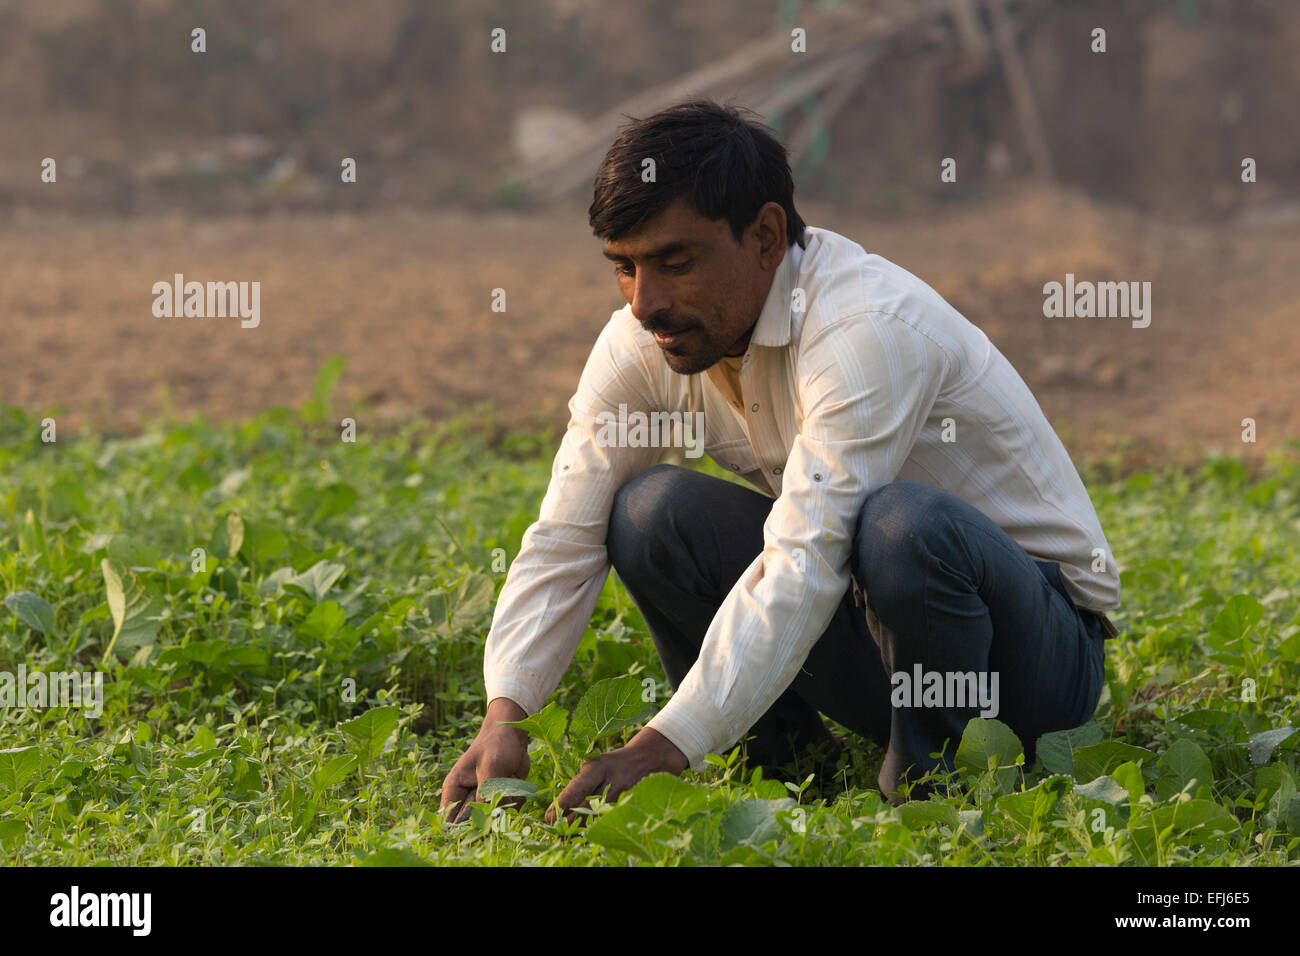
406 297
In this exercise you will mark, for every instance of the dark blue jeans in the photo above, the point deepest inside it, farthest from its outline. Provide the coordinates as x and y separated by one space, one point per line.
944 588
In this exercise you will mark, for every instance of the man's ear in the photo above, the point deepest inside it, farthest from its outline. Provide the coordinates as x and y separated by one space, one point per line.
769 229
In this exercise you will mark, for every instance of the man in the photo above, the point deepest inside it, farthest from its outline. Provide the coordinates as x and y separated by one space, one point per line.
918 516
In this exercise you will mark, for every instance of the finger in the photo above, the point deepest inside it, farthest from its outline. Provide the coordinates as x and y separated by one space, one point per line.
588 781
570 794
456 787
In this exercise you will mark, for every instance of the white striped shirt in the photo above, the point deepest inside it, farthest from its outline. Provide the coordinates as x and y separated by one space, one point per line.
856 374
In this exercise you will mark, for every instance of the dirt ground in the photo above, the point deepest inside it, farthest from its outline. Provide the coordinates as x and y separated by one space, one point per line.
406 298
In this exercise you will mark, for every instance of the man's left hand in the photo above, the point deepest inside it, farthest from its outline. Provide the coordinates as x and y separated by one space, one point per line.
619 770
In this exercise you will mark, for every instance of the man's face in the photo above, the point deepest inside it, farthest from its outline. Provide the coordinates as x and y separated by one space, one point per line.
693 286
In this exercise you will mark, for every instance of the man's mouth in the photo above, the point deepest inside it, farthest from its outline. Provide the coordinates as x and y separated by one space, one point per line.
669 340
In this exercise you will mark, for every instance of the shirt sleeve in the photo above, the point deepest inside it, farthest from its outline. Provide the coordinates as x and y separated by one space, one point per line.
867 383
552 585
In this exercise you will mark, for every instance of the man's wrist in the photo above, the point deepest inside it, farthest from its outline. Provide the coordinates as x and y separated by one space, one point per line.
503 708
667 754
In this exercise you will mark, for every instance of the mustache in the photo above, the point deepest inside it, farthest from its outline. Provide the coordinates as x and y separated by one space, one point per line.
664 328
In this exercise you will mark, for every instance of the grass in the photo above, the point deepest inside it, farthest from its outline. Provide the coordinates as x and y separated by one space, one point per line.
290 627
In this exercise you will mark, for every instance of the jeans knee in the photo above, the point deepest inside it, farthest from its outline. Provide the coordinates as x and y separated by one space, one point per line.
641 511
892 548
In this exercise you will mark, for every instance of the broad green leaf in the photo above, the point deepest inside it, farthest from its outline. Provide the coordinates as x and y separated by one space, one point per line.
649 816
1056 749
17 766
1027 811
132 552
1278 793
916 814
116 599
263 541
332 771
199 652
333 500
317 580
67 498
234 533
667 796
368 733
32 610
10 833
1091 762
607 707
135 608
744 855
1183 763
752 821
1263 743
203 737
547 724
228 537
1105 789
1291 816
243 657
506 787
986 743
1235 621
1191 822
473 600
324 621
1206 719
194 478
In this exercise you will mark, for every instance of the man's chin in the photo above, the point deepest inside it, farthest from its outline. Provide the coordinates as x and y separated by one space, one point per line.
691 364
686 364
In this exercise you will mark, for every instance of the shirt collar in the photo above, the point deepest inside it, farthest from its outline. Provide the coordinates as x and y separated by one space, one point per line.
773 326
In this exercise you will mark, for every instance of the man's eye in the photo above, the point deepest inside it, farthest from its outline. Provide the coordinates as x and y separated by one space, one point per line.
623 271
678 266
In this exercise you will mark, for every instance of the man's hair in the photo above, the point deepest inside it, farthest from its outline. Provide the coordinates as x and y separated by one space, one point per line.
723 164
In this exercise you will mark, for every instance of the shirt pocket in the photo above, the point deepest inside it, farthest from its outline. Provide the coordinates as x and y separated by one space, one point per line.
735 456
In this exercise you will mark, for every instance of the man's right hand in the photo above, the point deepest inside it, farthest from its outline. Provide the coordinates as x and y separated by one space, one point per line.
497 751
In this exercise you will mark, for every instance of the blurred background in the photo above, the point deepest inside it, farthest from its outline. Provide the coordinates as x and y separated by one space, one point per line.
473 173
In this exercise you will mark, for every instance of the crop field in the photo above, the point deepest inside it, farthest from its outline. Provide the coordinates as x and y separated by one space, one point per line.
289 628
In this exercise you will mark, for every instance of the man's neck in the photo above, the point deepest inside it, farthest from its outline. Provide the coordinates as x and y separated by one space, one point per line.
743 342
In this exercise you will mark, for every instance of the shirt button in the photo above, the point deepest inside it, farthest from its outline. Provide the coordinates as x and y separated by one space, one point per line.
755 407
817 476
776 471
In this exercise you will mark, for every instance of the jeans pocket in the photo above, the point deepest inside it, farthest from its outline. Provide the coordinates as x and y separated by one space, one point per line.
1089 621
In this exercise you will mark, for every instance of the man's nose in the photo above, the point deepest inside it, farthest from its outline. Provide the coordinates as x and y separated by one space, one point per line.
649 298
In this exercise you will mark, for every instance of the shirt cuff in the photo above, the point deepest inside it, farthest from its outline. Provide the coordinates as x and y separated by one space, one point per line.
521 692
688 727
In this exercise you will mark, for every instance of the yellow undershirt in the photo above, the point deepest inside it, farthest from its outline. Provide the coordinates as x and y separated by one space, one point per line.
731 372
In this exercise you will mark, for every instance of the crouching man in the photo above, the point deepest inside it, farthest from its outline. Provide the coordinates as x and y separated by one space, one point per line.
914 513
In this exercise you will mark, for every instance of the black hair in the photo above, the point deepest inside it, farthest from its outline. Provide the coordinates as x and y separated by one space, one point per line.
724 165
